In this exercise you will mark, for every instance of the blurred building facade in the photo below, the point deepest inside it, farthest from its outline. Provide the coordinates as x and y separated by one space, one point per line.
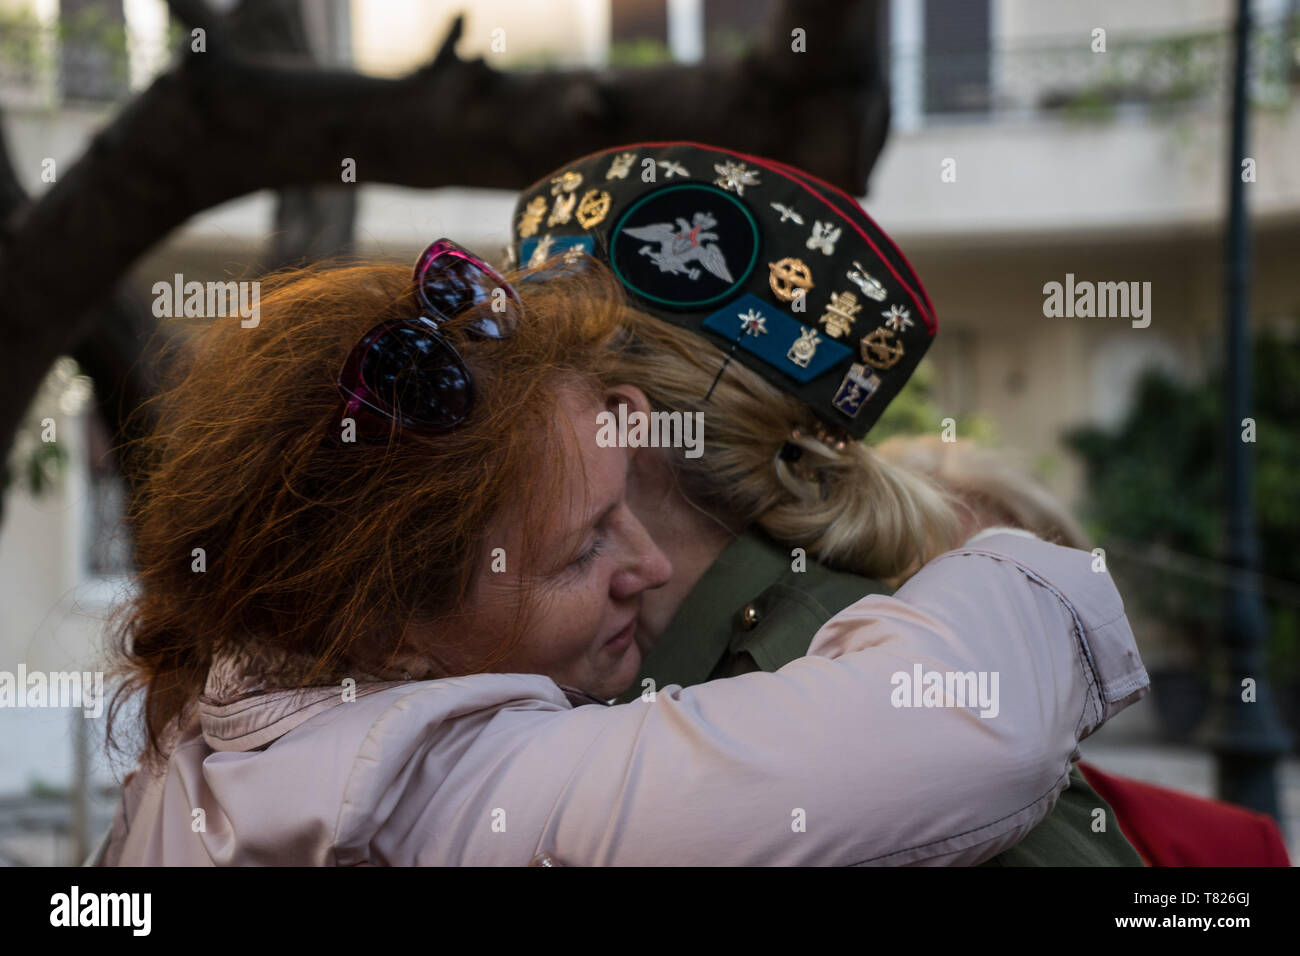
1021 151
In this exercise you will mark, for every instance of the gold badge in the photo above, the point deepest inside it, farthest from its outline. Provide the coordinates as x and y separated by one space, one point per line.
789 278
838 317
879 350
531 217
804 347
565 182
562 188
620 165
592 209
542 252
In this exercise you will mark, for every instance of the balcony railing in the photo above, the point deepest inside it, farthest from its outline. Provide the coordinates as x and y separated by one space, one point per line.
1145 76
90 59
85 60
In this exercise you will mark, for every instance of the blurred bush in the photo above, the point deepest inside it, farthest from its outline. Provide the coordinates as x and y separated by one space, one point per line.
1155 489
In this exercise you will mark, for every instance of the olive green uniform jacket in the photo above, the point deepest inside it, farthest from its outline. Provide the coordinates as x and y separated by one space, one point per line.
752 611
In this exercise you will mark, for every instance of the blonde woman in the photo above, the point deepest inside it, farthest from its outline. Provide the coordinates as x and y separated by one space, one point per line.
768 307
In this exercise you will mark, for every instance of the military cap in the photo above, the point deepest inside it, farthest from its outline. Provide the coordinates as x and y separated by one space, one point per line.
779 269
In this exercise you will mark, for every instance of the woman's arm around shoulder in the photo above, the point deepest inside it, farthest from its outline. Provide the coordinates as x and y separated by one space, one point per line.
936 725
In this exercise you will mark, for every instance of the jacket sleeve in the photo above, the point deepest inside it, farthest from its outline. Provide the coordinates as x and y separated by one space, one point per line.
847 756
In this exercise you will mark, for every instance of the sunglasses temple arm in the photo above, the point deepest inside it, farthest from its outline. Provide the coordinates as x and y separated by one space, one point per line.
353 405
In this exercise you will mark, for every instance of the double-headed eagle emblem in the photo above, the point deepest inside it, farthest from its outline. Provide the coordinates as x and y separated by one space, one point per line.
682 244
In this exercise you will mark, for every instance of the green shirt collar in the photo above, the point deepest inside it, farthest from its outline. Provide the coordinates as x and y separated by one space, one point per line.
701 630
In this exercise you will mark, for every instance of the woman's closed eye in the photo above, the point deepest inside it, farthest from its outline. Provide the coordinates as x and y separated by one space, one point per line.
585 559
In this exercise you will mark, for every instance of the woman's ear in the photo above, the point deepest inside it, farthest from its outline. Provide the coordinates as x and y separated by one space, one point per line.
649 480
628 395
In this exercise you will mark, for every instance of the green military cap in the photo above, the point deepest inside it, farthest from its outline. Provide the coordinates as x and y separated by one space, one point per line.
775 266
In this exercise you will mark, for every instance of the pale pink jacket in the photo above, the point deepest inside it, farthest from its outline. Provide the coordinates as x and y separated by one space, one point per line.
812 764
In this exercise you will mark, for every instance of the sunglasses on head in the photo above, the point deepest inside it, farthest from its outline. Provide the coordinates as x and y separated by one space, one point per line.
404 371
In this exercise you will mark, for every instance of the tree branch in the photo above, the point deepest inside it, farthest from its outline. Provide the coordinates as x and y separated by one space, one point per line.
216 128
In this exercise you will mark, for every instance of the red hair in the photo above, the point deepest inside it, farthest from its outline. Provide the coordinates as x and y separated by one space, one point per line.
319 550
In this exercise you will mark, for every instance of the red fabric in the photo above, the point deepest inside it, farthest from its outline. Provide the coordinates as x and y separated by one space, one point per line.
1171 828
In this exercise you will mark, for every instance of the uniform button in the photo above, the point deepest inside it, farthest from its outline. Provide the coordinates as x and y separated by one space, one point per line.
749 617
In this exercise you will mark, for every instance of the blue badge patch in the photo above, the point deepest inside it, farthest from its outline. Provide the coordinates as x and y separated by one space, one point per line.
859 384
777 338
685 247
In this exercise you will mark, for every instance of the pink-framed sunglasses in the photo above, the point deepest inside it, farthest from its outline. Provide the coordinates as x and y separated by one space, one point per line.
404 371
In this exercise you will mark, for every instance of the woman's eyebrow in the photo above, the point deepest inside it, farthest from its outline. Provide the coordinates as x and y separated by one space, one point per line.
614 503
590 524
605 513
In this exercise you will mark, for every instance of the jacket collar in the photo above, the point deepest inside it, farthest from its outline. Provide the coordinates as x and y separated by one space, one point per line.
238 712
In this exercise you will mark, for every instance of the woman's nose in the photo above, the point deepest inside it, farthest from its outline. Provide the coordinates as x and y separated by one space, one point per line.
647 566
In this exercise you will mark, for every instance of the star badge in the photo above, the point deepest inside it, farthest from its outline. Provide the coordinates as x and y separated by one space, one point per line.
753 323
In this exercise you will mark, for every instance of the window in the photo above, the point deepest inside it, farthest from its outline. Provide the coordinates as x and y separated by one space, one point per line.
956 56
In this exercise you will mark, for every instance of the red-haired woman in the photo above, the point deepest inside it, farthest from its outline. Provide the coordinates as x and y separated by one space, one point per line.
385 566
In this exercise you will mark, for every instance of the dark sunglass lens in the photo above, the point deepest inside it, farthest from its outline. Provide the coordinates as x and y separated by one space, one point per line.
449 283
419 376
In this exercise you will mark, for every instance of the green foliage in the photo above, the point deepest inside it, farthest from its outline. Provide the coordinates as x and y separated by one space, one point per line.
45 790
20 42
1090 104
44 466
643 51
1158 480
31 47
1175 71
730 43
35 463
725 43
95 29
914 412
178 34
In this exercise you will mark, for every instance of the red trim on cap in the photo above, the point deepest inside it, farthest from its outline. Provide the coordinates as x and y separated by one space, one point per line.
921 301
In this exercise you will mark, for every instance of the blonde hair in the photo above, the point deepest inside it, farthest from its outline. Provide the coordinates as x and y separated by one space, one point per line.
988 486
845 505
